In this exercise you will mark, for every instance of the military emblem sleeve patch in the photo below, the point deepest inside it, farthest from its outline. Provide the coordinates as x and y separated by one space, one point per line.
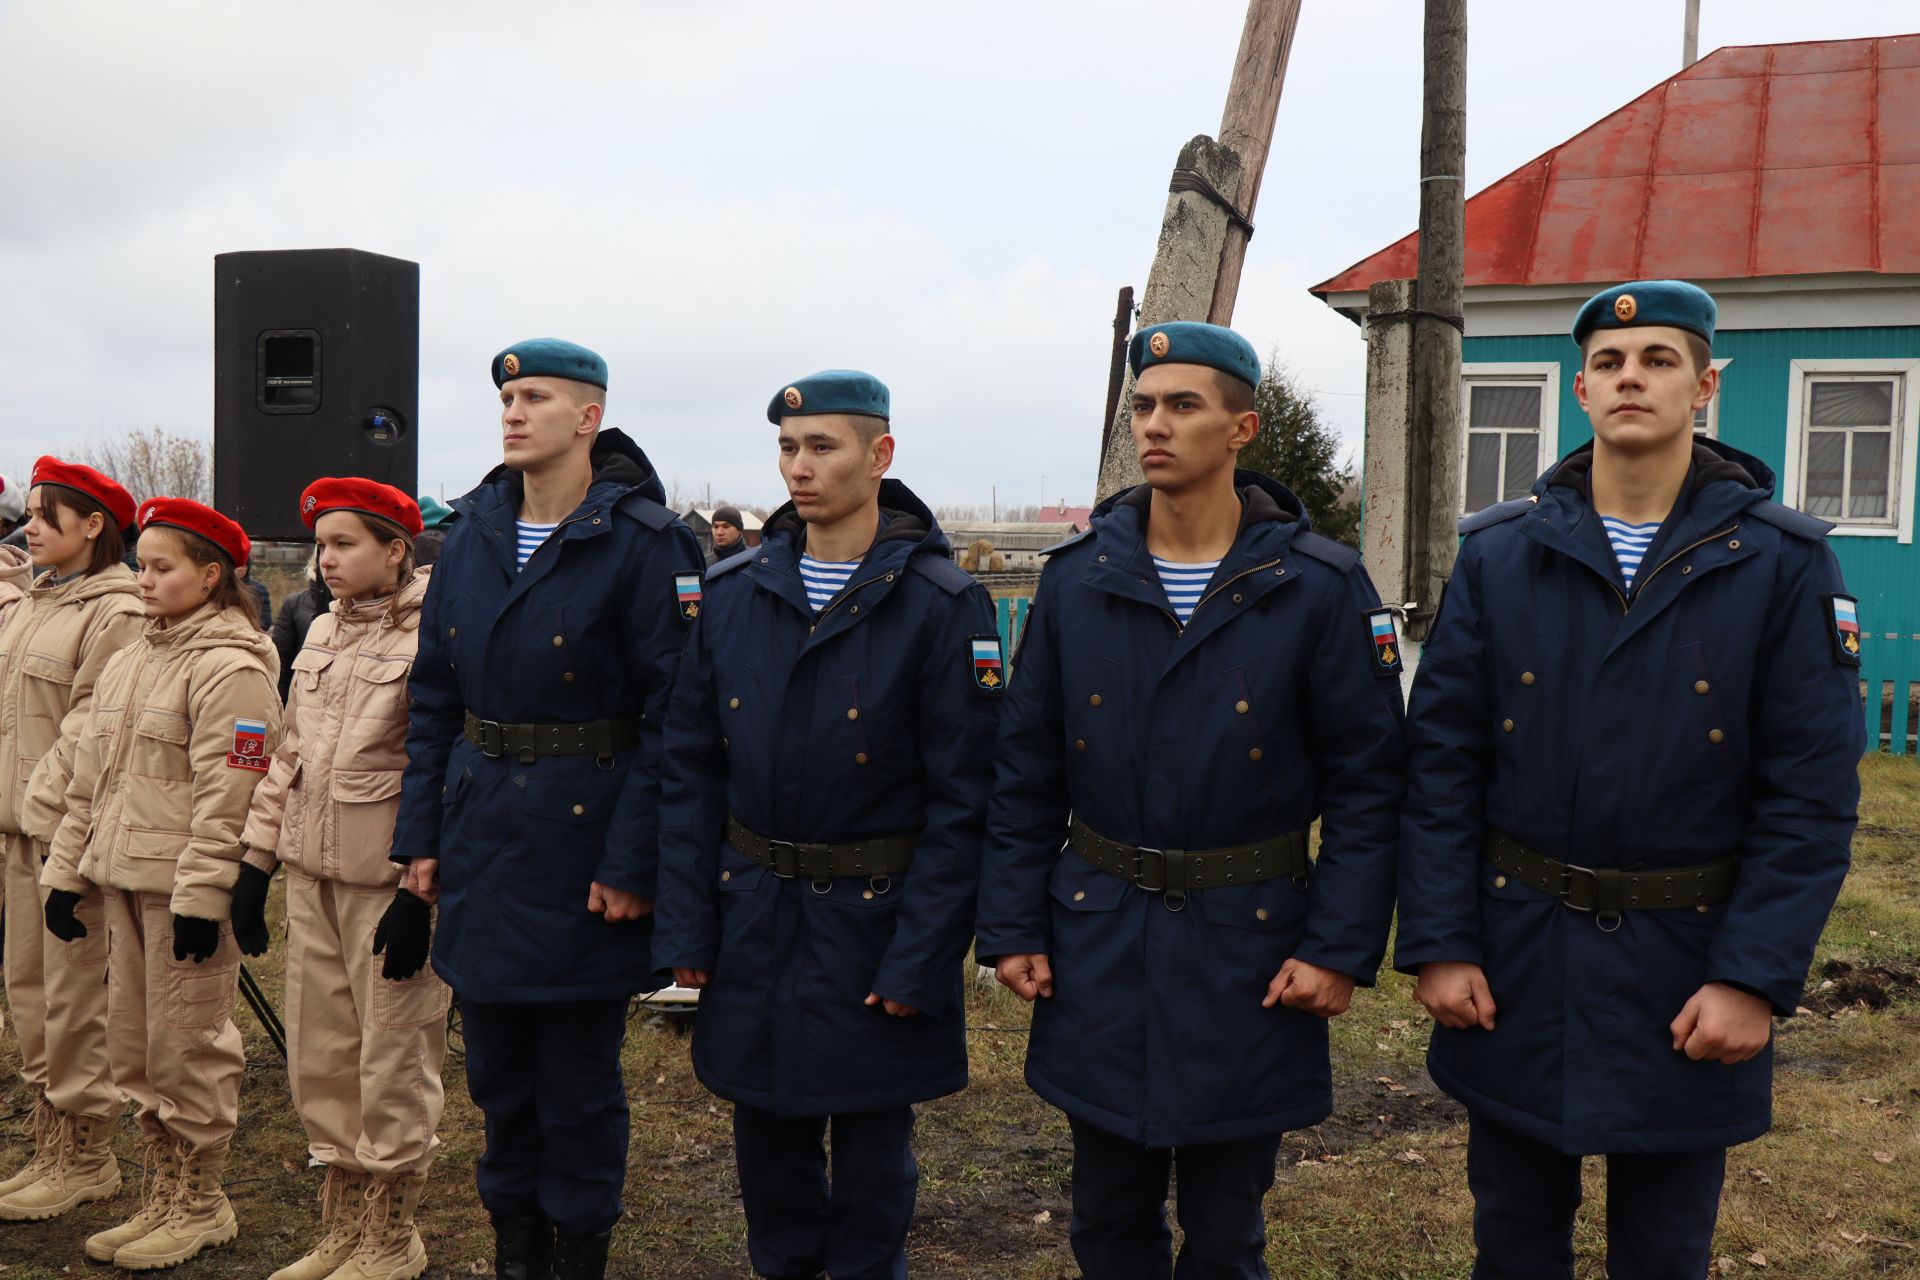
686 591
989 672
1386 642
1843 624
249 745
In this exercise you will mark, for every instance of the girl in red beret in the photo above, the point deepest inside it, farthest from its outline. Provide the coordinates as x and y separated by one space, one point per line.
182 724
81 608
366 1033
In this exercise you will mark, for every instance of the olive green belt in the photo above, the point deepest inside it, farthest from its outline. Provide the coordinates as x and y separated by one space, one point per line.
589 738
1178 871
788 859
1611 890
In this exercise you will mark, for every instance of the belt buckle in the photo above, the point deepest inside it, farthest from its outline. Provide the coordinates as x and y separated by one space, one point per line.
791 869
492 741
1567 874
1140 869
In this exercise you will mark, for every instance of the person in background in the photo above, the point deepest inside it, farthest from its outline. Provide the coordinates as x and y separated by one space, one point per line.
182 725
13 506
297 613
436 519
728 540
262 600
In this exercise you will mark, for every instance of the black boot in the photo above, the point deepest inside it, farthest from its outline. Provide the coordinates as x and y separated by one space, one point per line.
522 1248
580 1257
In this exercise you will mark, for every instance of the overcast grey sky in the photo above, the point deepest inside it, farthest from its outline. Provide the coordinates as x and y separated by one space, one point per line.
720 197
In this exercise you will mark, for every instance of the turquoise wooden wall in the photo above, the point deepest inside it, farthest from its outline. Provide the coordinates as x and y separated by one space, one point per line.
1884 573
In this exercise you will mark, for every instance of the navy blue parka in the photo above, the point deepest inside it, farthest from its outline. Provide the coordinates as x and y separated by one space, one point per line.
1710 711
864 720
1267 711
590 629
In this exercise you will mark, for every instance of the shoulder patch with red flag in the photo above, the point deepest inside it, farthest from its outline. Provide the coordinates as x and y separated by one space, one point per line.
989 672
249 745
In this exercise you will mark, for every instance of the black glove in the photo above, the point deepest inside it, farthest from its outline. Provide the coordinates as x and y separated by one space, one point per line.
250 910
61 922
404 934
195 938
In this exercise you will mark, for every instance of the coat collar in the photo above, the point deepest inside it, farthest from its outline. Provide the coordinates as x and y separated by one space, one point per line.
1271 517
907 529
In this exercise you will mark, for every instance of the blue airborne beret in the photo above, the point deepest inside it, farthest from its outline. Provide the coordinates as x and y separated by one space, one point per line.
549 358
1672 303
832 391
1191 342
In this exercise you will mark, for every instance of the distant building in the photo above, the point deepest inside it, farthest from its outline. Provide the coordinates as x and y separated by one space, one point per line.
1019 545
1061 513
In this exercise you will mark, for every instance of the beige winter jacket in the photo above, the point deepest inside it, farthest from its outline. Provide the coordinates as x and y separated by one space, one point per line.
16 575
182 724
328 804
52 649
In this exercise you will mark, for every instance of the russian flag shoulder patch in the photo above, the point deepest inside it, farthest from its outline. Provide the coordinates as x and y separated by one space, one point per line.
686 592
1843 619
249 745
984 658
1386 642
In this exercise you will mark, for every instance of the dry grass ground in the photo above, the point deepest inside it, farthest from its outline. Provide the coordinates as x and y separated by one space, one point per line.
1376 1192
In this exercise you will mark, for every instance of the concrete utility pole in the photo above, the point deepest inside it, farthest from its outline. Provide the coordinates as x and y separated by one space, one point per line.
1210 201
1434 442
1690 43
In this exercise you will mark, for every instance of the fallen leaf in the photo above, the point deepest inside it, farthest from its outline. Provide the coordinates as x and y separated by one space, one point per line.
1724 1265
1801 1011
1411 1157
1760 1176
1043 1217
1757 1258
1393 1086
1883 1157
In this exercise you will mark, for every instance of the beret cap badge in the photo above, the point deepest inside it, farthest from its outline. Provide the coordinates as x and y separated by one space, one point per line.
1158 344
1625 307
310 504
792 397
511 363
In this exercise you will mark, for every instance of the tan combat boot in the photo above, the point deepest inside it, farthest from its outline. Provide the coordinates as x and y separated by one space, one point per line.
84 1169
46 1147
390 1247
159 1182
199 1217
343 1207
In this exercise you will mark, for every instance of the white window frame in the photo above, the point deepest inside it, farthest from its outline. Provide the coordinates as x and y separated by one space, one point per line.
1544 372
1713 406
1906 439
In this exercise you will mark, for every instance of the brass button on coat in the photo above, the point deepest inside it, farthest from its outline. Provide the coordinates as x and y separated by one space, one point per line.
1507 725
1079 895
1094 701
1716 736
1254 754
1079 744
1499 882
733 704
860 758
1526 677
1700 686
1241 706
853 713
1260 913
568 677
558 641
726 875
579 809
453 631
867 894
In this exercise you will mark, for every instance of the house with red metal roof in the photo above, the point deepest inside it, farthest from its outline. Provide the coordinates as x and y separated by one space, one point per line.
1785 180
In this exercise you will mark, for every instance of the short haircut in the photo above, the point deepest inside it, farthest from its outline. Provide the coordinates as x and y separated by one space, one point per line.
1237 395
868 428
109 548
586 393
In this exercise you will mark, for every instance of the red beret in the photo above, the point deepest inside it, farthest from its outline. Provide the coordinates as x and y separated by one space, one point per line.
185 513
368 497
73 475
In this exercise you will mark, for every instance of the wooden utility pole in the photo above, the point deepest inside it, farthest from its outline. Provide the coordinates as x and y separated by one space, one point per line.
1690 42
1434 443
1209 217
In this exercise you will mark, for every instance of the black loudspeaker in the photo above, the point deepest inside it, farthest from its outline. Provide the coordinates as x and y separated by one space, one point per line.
316 372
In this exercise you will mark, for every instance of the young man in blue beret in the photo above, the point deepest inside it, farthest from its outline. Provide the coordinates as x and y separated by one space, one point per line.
828 754
530 806
1633 740
1201 678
